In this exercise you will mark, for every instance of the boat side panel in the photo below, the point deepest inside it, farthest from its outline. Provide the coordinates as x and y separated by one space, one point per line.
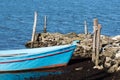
38 63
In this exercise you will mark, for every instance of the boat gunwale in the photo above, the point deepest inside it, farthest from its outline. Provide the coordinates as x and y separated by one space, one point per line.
28 52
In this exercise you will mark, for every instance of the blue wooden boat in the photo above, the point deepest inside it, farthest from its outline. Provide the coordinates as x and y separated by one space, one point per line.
36 58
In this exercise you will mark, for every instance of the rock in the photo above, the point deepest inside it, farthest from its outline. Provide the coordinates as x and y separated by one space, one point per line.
118 69
114 68
107 63
79 68
71 35
117 54
117 44
106 40
116 38
111 65
109 51
28 44
98 67
108 59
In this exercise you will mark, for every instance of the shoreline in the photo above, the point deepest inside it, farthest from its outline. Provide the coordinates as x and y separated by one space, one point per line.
109 51
80 69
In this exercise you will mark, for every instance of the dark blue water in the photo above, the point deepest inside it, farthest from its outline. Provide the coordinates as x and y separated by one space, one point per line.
16 18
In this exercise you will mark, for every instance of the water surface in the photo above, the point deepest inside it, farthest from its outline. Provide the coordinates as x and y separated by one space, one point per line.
64 16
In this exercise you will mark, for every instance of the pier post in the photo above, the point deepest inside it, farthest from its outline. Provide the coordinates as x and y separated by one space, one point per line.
86 36
45 24
85 27
98 45
34 29
95 24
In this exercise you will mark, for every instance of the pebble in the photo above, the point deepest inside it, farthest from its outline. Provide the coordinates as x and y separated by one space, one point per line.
79 68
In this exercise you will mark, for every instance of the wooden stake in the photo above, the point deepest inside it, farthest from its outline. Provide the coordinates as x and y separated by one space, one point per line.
45 24
98 45
34 29
95 23
85 27
86 36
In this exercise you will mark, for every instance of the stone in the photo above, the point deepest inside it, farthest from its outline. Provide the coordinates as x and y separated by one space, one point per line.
79 68
117 54
107 62
116 37
98 67
71 35
118 69
114 68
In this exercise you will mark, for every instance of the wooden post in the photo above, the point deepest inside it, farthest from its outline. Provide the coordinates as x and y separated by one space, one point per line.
86 36
95 23
34 29
98 45
85 27
45 24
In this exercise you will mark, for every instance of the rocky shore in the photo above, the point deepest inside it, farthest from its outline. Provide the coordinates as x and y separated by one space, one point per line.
82 69
79 69
109 52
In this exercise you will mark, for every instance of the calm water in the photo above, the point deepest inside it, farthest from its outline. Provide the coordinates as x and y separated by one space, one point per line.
16 18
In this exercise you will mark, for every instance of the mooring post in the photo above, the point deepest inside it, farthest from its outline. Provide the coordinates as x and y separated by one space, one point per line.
34 29
85 27
45 24
98 45
86 36
95 24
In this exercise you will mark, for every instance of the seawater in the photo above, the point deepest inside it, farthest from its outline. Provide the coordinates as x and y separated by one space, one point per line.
64 16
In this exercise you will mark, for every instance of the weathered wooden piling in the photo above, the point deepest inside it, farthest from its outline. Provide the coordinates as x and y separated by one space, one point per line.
95 24
45 24
98 45
34 29
86 36
85 27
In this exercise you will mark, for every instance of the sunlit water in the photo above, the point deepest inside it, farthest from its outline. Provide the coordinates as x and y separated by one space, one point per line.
64 16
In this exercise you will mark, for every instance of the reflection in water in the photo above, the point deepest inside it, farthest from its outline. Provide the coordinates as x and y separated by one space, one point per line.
25 75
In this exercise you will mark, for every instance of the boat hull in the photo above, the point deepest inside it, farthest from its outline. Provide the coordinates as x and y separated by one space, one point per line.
50 59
